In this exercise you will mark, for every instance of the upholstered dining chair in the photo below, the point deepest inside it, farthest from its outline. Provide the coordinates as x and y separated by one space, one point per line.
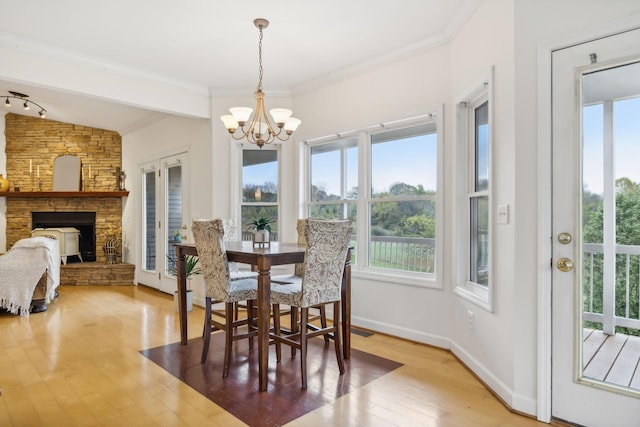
220 287
299 271
327 243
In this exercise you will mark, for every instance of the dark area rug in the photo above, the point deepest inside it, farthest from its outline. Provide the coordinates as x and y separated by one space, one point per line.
284 399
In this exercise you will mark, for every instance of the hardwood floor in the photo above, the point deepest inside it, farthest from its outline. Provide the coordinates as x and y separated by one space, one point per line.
79 364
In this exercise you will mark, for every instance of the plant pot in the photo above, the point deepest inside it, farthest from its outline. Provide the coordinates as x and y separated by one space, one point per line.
261 237
189 300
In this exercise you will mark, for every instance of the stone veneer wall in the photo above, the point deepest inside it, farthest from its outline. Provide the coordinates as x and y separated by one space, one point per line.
108 216
41 141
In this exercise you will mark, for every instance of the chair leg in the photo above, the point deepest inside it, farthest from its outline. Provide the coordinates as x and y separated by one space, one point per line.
228 335
294 327
323 321
276 330
250 319
304 317
207 329
336 336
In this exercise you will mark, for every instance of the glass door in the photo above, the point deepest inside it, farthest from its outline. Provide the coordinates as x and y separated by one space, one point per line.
164 208
596 248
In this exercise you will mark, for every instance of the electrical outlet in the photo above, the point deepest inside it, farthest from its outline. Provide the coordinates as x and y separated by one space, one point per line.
470 319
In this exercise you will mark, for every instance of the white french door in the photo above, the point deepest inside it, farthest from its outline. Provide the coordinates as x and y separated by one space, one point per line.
595 91
164 189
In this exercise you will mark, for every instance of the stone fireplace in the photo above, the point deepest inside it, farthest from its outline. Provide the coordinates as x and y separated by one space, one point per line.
32 145
105 213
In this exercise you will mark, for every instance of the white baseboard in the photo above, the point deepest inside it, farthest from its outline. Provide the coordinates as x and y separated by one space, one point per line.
513 400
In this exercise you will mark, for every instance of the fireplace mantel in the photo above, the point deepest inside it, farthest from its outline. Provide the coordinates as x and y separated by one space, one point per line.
59 194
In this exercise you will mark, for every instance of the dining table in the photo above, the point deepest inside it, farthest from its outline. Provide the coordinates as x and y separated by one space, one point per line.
262 258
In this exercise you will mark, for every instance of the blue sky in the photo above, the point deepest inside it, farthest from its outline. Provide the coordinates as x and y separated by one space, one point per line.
626 130
409 160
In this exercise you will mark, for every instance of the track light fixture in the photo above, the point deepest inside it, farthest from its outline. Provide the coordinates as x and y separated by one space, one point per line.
22 97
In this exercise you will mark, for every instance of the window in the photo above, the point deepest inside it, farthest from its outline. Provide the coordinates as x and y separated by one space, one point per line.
333 175
402 200
259 196
479 198
395 206
474 197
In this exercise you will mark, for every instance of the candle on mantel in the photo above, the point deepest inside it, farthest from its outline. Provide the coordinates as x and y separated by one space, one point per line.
30 166
89 171
38 171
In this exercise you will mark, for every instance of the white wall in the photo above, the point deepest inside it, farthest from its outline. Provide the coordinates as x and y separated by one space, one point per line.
487 40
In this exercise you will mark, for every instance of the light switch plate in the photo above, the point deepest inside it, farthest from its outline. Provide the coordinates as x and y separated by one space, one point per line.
503 214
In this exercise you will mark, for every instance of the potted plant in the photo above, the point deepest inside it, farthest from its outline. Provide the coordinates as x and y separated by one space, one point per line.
191 269
261 228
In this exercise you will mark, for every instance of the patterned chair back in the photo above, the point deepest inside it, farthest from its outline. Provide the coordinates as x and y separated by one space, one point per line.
209 239
301 227
327 245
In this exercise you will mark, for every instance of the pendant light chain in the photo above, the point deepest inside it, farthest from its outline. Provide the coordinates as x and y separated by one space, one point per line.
260 61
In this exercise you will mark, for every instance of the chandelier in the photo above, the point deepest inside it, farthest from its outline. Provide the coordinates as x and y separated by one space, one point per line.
24 98
259 130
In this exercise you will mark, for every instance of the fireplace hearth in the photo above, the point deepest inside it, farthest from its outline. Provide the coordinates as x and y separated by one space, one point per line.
83 221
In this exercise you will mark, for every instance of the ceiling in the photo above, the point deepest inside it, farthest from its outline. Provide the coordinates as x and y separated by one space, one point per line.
213 45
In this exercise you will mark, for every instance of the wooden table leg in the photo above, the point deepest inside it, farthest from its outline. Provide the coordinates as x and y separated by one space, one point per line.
264 310
182 294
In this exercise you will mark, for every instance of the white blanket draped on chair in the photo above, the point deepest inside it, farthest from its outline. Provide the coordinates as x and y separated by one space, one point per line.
22 267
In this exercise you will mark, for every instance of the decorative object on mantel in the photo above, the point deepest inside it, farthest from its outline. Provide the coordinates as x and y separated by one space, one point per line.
26 101
260 130
67 173
4 183
120 177
261 228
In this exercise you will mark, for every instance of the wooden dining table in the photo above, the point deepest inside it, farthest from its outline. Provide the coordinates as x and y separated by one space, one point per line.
262 258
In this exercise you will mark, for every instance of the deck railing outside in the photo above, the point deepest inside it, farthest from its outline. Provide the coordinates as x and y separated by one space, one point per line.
620 297
397 253
403 253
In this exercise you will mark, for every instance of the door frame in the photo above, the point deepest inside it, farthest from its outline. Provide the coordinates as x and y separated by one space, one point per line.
544 196
160 164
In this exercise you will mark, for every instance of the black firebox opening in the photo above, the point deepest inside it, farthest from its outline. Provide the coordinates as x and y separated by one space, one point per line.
83 221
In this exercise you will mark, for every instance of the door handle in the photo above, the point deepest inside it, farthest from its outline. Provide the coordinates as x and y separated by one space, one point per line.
565 264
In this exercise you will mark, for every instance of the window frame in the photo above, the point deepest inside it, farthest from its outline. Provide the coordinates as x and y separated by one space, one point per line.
341 144
237 202
479 294
363 202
